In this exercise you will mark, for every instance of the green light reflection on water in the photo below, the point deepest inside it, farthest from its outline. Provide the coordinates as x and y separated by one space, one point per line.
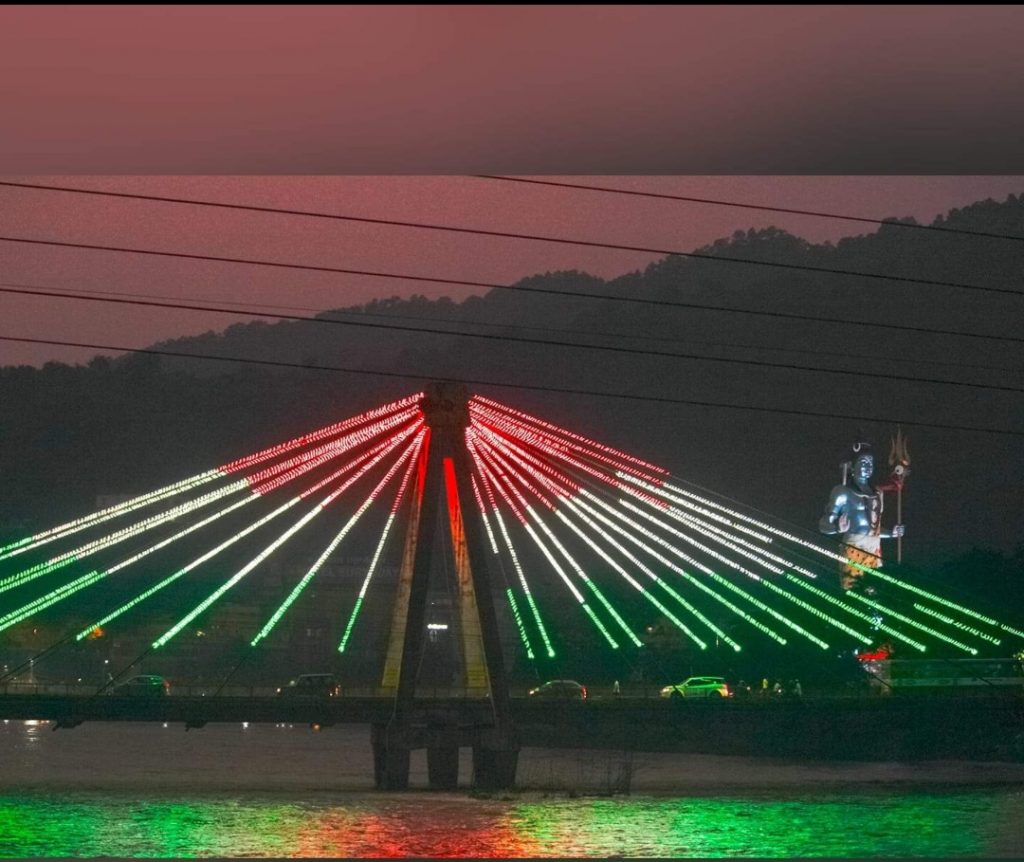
895 823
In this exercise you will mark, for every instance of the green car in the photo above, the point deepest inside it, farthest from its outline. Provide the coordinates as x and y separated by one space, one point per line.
698 686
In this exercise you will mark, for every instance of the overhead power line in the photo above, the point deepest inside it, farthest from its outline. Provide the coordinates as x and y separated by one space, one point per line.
787 210
904 279
489 336
654 399
664 303
587 333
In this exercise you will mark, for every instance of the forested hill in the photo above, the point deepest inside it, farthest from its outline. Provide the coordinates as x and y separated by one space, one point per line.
70 433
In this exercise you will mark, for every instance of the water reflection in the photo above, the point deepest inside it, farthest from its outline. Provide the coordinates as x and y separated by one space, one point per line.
863 824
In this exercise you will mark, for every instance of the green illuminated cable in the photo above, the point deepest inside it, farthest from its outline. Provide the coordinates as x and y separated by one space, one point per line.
496 471
127 606
914 623
957 624
510 453
600 625
679 571
651 574
586 578
41 604
896 633
499 459
414 453
114 538
234 579
526 590
68 590
518 617
764 581
632 581
511 548
95 518
724 581
280 540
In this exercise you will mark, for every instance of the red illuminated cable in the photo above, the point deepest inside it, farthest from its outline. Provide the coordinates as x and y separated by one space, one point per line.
566 433
348 441
327 431
487 434
568 446
267 480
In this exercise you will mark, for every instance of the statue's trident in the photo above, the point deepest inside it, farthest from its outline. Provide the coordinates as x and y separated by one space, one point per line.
899 462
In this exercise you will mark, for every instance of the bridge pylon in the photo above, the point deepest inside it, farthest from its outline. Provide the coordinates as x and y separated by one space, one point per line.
445 475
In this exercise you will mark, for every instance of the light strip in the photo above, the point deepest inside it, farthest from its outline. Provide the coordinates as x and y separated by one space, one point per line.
273 546
481 469
957 624
480 400
914 623
896 633
416 453
96 518
332 546
497 477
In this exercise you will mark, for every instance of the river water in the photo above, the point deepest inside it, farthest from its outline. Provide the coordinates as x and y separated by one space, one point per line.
146 790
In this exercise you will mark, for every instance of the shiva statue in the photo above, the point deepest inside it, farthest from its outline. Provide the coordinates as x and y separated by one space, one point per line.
854 511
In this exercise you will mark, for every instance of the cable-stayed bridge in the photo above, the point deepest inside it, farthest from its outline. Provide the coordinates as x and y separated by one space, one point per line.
541 528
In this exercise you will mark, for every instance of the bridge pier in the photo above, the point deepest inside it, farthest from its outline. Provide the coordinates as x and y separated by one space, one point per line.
495 756
390 759
443 767
494 768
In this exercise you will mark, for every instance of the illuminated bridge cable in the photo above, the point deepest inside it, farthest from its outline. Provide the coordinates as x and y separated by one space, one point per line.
839 557
516 565
914 623
725 582
105 542
765 582
273 546
592 544
332 546
499 458
665 561
31 542
483 514
596 450
565 491
746 550
495 474
957 624
52 565
896 633
373 564
588 582
111 512
127 606
509 594
41 604
63 592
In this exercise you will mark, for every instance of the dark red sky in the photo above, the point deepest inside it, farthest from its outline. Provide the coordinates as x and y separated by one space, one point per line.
174 92
542 88
461 201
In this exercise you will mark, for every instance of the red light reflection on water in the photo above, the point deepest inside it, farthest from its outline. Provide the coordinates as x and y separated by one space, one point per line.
445 828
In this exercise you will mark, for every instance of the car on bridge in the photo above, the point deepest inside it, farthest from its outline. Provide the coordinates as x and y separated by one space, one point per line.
311 685
560 689
146 685
698 686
